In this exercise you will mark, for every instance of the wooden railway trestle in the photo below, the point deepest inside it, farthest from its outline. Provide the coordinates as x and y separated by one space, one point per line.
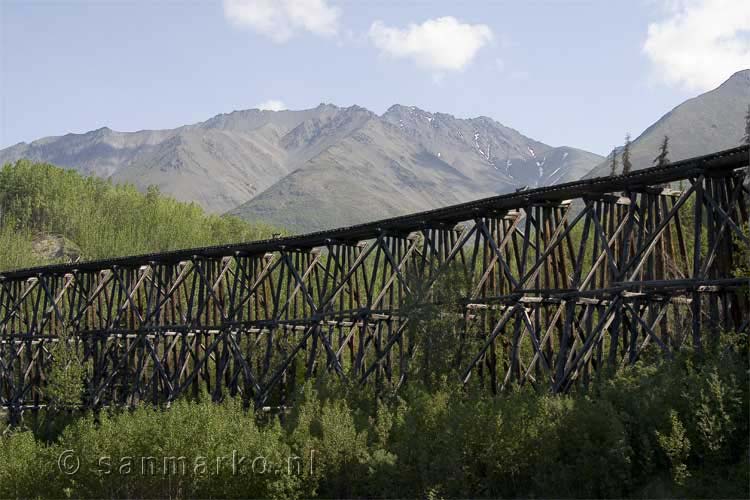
559 282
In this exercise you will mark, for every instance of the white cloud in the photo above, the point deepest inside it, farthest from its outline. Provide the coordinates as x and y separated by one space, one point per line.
280 19
272 105
442 44
701 42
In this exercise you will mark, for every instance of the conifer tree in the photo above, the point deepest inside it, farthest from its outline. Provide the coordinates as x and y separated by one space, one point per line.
663 157
626 165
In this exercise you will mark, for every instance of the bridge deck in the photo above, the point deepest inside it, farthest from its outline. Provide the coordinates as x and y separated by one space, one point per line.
712 164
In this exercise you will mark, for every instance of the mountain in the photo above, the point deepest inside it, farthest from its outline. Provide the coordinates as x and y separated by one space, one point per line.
710 122
408 160
218 163
319 167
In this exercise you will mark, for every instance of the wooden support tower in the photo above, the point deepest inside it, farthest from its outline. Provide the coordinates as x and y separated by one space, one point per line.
554 284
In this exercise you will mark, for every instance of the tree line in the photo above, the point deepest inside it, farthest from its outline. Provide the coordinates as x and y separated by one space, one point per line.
103 219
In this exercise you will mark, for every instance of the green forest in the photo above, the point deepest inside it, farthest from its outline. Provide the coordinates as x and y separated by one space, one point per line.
97 219
662 428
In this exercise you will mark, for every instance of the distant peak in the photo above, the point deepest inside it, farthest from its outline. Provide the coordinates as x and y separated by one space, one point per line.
397 107
485 119
743 75
324 105
401 109
739 80
237 112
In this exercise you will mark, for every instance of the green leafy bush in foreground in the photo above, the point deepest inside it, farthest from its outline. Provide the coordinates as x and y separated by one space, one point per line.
675 429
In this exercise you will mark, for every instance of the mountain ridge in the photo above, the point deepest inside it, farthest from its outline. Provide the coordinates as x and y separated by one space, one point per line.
225 162
331 166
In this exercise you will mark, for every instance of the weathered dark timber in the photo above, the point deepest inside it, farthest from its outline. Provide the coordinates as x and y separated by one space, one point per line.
560 282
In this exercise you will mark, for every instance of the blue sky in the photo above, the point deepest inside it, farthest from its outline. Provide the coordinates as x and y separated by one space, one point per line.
566 72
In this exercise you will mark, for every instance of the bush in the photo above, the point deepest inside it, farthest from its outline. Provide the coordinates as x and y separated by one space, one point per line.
676 428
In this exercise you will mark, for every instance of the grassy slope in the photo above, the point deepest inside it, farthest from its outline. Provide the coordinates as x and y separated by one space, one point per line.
103 219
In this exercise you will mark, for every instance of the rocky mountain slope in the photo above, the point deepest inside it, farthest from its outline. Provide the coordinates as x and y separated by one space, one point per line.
320 167
710 122
409 160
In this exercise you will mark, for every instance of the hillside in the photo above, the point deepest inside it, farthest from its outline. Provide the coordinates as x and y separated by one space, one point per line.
280 165
49 215
710 122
